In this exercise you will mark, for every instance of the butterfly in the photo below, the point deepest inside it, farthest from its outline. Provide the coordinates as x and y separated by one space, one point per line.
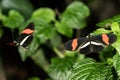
25 37
90 44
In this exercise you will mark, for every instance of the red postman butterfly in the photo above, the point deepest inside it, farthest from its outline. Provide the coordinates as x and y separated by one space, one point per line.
25 37
90 44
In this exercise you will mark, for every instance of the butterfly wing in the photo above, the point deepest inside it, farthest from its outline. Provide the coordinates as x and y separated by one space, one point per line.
91 48
91 44
26 35
75 44
105 39
99 42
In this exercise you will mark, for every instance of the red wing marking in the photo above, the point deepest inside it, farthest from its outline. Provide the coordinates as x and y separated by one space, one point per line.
74 44
27 31
105 39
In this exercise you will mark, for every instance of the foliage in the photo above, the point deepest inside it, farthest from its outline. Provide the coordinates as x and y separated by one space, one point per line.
34 78
14 19
87 68
73 17
109 21
49 32
19 5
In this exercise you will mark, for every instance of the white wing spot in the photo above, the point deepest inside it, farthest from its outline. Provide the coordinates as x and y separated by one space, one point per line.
23 41
88 43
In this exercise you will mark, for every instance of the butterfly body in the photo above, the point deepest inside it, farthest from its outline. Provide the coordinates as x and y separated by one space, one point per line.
91 43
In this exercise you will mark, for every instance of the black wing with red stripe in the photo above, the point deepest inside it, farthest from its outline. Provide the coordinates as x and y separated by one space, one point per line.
74 44
26 35
90 44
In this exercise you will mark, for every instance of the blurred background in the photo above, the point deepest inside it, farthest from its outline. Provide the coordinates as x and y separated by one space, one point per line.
11 65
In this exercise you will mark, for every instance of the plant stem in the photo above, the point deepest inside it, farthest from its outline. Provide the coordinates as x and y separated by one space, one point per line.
58 53
40 59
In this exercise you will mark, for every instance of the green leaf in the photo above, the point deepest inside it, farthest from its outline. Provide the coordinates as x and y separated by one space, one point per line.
109 21
116 63
115 27
43 29
24 6
75 15
44 13
31 49
64 29
104 53
74 53
55 38
118 78
34 78
40 60
13 20
60 68
76 6
101 31
88 69
116 44
2 17
75 68
45 33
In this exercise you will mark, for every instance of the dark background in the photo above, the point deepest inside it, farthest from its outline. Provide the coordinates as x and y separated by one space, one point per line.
12 65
